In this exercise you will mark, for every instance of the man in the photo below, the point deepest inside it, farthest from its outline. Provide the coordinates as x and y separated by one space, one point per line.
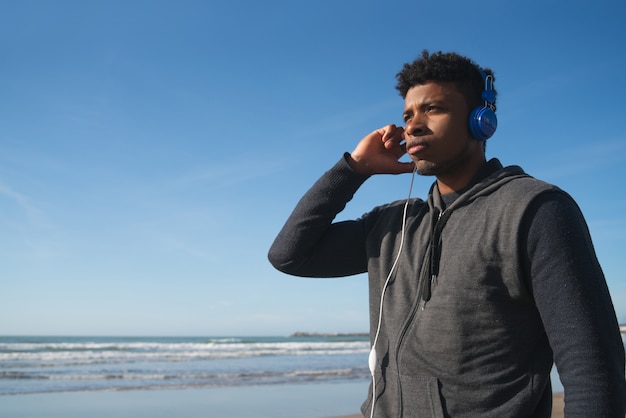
475 291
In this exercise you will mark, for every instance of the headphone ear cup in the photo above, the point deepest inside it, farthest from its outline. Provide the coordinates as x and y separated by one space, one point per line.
482 123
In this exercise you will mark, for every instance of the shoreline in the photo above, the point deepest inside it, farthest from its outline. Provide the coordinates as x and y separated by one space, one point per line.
314 400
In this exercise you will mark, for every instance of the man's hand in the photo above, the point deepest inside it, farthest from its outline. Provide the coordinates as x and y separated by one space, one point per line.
378 153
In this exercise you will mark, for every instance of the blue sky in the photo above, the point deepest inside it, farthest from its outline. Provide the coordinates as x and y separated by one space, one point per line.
151 150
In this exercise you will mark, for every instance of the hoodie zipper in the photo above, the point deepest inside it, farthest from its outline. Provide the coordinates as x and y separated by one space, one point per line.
424 284
425 279
405 328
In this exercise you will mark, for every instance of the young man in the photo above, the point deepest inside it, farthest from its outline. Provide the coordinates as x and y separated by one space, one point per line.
476 290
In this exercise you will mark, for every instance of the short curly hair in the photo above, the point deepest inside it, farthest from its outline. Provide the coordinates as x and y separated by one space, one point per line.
446 67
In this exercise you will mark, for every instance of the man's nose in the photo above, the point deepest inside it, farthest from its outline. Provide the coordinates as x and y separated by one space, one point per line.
415 126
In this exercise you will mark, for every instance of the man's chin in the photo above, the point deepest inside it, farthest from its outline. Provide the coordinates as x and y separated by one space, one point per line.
426 168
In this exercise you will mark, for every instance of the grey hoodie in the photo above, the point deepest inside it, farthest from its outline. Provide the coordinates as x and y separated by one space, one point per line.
471 313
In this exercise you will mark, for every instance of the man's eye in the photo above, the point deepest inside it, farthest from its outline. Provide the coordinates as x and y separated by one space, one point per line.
407 118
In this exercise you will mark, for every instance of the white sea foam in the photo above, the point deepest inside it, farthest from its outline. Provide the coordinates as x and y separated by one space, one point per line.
80 352
50 364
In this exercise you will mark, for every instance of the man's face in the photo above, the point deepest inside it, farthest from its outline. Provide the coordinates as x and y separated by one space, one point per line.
437 134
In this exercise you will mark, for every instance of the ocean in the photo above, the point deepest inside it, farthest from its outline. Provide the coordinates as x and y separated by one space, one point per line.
37 365
196 377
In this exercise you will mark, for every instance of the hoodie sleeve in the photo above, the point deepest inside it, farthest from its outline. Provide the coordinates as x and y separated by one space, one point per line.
573 300
310 244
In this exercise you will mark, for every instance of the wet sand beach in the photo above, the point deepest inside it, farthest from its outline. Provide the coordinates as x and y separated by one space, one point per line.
264 401
336 400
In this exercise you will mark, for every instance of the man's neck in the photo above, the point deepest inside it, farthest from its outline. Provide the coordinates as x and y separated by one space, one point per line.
454 182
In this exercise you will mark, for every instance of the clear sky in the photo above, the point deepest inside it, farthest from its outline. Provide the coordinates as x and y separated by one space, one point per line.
151 150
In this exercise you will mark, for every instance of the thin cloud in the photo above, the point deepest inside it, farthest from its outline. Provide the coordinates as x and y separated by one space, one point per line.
578 160
22 201
355 118
227 174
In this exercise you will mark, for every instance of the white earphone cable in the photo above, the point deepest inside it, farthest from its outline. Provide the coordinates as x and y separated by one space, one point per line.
373 356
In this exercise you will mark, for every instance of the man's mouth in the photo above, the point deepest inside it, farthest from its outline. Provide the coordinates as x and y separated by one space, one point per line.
415 147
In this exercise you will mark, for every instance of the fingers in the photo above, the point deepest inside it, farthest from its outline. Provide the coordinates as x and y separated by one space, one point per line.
407 167
378 152
393 137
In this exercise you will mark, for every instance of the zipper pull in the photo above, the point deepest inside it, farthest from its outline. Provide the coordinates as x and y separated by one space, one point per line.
426 288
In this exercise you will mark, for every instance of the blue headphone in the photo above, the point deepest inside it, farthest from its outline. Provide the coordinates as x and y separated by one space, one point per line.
483 121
